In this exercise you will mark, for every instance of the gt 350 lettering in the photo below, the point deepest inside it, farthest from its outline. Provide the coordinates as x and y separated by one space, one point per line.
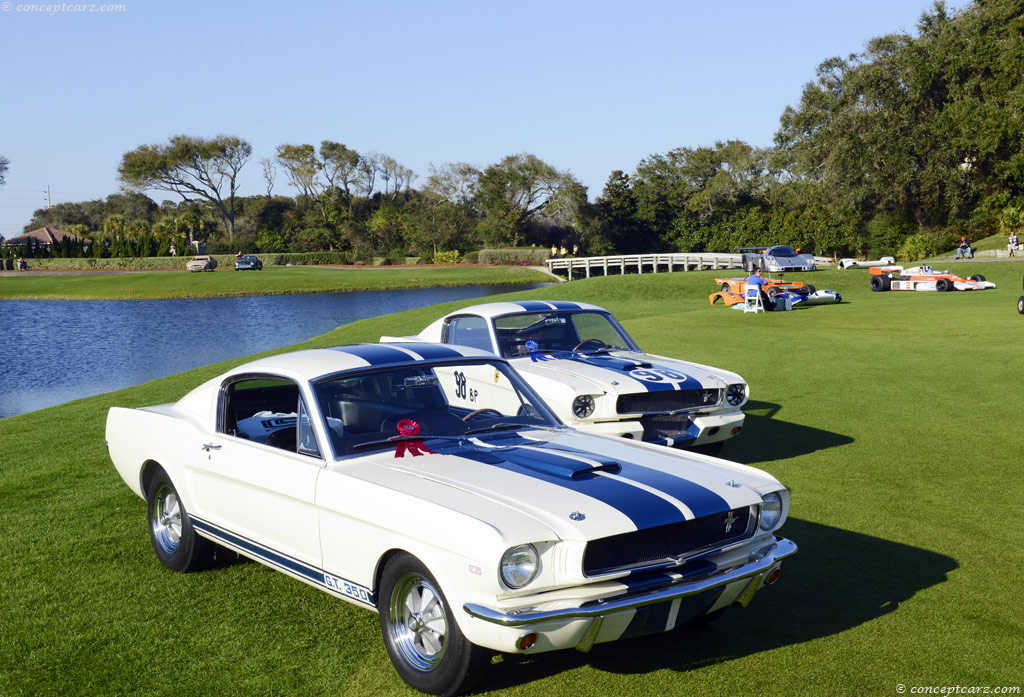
349 589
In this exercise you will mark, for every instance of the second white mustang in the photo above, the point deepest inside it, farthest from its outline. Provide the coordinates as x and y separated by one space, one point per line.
595 377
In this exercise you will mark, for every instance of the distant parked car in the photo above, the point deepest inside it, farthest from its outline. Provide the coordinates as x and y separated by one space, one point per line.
201 263
777 259
250 263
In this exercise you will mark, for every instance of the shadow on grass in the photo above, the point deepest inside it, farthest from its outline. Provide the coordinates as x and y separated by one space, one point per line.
838 580
765 438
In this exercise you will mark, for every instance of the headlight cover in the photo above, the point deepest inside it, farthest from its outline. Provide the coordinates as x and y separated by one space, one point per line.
771 511
519 565
736 393
583 406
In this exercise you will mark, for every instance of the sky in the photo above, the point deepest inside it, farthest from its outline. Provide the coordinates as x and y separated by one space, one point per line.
588 86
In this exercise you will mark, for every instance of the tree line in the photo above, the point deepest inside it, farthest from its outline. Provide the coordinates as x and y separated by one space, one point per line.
899 149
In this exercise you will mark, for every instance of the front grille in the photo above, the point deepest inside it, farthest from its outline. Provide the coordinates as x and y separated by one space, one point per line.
666 542
646 402
659 427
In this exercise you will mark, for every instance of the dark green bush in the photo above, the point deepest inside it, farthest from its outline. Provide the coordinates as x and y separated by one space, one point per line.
523 255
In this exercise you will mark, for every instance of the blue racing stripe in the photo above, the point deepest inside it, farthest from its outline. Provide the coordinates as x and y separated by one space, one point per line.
431 351
699 499
644 509
273 557
534 305
657 383
376 354
562 305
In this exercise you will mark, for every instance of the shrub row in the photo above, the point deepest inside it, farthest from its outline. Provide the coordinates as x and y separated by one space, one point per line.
487 256
523 255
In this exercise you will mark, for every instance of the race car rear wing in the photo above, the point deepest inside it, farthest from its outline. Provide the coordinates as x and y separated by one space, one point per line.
881 270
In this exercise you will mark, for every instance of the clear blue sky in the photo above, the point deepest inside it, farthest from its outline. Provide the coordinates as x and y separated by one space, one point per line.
588 86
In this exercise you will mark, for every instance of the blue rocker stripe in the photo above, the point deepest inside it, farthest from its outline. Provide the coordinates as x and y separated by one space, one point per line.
271 556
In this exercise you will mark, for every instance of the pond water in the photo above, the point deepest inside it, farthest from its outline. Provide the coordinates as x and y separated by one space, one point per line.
54 351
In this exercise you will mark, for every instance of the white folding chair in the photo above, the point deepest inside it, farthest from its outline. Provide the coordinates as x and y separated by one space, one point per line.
752 299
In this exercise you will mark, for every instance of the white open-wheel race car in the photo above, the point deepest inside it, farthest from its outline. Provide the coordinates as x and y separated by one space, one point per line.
471 520
595 377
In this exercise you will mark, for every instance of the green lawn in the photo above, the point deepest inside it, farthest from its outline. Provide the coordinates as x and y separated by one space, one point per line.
894 418
273 280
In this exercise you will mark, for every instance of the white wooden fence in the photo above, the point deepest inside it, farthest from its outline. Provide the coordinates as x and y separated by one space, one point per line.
650 263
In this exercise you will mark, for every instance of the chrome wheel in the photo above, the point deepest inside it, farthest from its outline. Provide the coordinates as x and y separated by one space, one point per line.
166 519
419 622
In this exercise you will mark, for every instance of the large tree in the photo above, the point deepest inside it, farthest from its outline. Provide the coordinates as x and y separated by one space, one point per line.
924 128
4 164
515 192
192 167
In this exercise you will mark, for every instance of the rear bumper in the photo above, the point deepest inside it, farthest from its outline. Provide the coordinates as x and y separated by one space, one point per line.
646 612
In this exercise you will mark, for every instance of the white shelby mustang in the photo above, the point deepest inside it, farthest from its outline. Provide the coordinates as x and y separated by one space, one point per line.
430 483
595 377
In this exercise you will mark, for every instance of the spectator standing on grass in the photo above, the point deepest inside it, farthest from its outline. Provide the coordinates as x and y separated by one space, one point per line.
964 249
1013 244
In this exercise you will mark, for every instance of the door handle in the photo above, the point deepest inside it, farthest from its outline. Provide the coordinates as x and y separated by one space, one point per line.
207 447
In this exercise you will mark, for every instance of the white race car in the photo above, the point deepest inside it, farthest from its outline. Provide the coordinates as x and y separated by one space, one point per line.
470 519
595 377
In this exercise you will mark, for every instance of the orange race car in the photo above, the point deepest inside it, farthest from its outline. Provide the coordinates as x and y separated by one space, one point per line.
732 289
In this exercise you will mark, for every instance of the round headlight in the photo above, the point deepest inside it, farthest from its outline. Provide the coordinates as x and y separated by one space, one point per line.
735 394
771 511
583 406
519 565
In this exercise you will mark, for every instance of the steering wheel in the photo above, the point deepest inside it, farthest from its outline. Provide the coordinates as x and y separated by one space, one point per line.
583 343
471 414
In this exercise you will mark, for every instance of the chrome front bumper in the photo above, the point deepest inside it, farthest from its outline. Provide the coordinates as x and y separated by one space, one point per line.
756 568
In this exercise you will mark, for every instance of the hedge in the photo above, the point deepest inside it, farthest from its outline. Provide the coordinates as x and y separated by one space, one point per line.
523 255
178 263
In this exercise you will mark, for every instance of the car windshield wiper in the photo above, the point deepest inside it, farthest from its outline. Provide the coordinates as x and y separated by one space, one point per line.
399 439
501 426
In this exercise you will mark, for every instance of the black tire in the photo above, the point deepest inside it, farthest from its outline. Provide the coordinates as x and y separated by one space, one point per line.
1020 305
881 283
771 292
977 278
725 287
810 289
175 541
424 642
943 285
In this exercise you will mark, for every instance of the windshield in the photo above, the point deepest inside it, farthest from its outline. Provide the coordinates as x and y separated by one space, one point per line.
781 251
377 409
544 332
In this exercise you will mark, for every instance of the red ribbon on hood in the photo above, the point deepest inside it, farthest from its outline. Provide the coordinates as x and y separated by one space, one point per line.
408 427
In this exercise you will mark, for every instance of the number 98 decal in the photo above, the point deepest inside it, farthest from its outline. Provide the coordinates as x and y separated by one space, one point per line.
658 374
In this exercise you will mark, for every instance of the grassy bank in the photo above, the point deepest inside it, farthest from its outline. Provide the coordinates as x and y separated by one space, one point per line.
270 281
893 418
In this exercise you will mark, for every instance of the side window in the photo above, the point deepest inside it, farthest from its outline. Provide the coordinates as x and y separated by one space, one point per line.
307 438
469 331
267 410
